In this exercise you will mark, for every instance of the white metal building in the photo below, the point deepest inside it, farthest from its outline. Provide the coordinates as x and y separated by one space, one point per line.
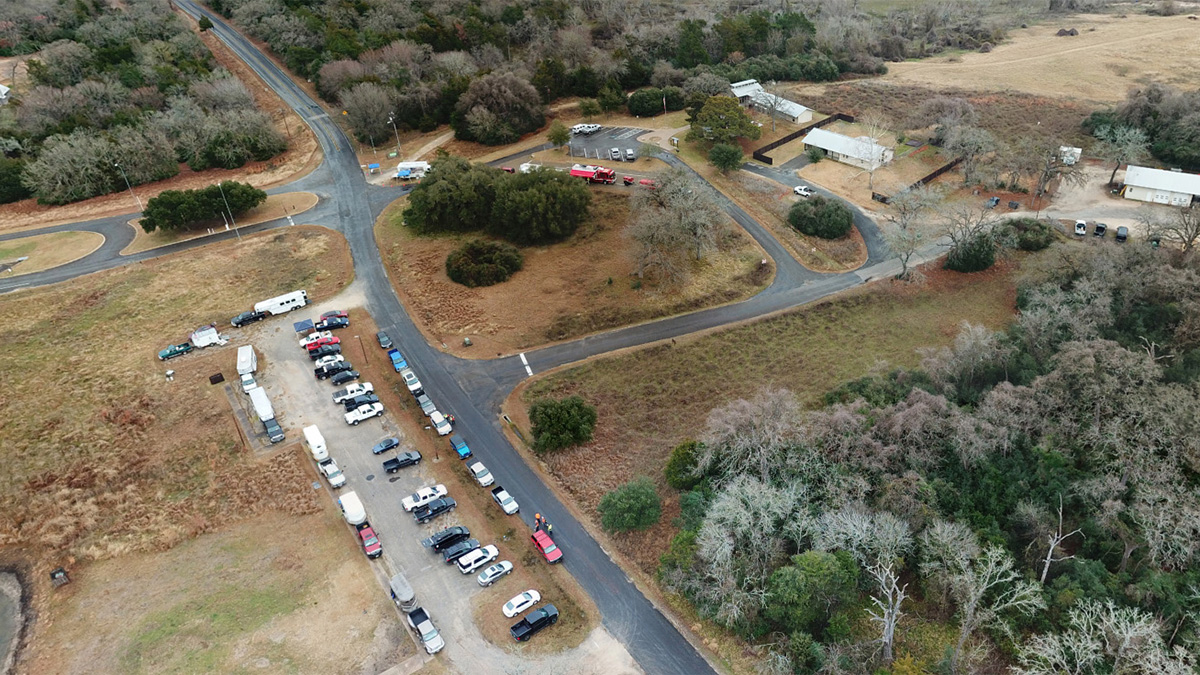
862 152
745 90
783 108
1161 187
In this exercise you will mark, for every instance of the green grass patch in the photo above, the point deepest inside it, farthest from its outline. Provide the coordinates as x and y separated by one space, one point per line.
9 252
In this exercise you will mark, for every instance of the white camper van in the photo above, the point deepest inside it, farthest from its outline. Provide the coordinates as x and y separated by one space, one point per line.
352 508
284 303
247 360
315 442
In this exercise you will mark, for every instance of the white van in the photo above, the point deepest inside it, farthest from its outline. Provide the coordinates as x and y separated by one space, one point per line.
247 360
315 442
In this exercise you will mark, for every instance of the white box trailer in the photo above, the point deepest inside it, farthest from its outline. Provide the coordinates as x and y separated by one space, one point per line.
352 508
266 413
283 303
315 442
247 360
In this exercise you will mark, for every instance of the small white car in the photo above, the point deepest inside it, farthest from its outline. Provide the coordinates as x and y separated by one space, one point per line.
411 381
481 474
440 423
327 360
477 558
356 389
1081 227
309 339
803 191
423 496
521 603
363 412
491 574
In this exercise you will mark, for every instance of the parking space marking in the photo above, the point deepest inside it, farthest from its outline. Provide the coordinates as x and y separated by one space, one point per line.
629 133
528 370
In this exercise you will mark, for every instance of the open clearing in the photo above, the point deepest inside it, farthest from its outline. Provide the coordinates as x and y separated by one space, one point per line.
276 206
1110 55
278 594
808 351
130 462
580 286
45 251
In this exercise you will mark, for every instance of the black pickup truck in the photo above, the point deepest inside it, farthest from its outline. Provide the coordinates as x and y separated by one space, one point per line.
435 508
533 622
406 458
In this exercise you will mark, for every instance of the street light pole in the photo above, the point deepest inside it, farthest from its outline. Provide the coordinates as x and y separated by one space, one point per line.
235 227
131 193
392 120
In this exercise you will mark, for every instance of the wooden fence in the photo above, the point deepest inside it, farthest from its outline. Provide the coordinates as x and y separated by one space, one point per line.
760 154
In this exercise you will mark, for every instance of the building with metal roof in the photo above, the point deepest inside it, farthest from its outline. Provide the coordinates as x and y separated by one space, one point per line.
1161 187
861 152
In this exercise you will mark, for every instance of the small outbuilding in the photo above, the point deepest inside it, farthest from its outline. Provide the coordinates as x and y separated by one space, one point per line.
862 152
1157 186
745 90
780 107
1070 156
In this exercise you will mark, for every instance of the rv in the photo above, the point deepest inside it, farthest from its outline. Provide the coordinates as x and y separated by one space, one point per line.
247 360
284 303
412 170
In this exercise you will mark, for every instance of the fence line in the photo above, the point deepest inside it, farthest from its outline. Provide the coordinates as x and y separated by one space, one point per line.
760 154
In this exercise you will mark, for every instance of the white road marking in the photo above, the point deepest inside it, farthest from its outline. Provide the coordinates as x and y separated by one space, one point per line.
528 370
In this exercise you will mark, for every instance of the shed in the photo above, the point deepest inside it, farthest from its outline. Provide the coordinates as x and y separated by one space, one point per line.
1157 186
1069 155
745 90
862 152
781 107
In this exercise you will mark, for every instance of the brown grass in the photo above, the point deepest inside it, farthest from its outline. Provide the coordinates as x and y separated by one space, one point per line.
128 462
809 351
47 250
565 290
276 206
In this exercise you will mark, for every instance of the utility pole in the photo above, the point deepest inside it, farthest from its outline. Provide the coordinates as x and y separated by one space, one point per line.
131 193
392 120
235 227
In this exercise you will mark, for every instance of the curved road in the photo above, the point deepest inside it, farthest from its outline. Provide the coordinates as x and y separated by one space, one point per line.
468 388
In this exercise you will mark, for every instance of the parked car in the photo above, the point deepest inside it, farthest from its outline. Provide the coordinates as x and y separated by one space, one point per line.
440 424
247 318
992 202
363 413
321 342
427 406
477 558
521 603
314 337
1080 227
536 621
423 496
490 575
401 460
460 446
1122 234
332 473
370 542
327 350
422 625
544 544
435 508
458 549
1100 229
360 401
344 377
335 314
803 191
356 389
505 500
481 474
175 350
385 445
329 360
446 538
333 323
384 340
411 381
325 372
630 155
615 154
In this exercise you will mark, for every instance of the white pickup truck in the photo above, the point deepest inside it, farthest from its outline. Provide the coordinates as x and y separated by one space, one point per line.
332 473
423 496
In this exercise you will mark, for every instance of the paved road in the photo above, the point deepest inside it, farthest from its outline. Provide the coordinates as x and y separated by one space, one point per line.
652 640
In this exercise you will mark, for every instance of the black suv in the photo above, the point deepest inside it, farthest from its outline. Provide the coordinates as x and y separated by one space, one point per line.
324 350
361 399
332 323
456 551
435 508
324 372
248 318
447 537
547 615
345 377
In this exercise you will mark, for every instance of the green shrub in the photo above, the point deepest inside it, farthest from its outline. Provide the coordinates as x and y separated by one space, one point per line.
814 154
180 209
974 255
1032 234
633 506
646 102
820 217
725 157
561 424
483 263
680 470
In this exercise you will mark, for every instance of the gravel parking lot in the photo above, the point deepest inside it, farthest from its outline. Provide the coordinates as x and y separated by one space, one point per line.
450 597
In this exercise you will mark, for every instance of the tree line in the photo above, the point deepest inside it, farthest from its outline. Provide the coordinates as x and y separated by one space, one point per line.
1157 118
129 90
1034 489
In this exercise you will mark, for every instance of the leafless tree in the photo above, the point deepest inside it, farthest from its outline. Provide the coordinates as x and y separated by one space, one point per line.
751 437
706 83
874 125
972 144
221 94
878 538
964 222
909 227
1121 144
985 591
658 244
367 106
680 213
1034 518
666 75
61 64
889 598
454 64
1181 227
335 74
975 350
945 112
946 549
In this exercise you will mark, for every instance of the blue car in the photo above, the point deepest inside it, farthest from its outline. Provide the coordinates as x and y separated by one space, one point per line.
460 446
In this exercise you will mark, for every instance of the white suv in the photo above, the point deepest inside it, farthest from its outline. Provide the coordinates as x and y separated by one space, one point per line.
477 558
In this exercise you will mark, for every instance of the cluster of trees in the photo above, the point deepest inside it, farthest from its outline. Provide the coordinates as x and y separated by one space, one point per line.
539 207
181 209
677 221
821 217
1036 488
128 86
483 263
562 423
1158 118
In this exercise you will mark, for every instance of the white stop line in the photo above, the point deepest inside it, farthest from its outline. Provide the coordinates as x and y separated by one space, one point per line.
528 370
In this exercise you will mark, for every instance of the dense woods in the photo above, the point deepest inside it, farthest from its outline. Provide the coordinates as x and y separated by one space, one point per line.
129 90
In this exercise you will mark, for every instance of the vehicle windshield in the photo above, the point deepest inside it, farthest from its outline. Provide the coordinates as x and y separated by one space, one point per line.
371 541
430 634
550 548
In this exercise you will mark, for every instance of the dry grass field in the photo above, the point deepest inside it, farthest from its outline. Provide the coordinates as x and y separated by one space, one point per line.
580 286
45 251
808 351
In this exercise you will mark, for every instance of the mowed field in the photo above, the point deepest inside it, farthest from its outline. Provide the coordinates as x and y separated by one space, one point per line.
105 459
808 351
1110 55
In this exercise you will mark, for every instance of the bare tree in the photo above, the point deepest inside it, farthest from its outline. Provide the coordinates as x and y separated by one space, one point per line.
985 591
367 106
751 437
1121 144
963 223
946 549
909 229
891 595
680 210
1033 515
1181 228
972 144
874 125
873 539
658 245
